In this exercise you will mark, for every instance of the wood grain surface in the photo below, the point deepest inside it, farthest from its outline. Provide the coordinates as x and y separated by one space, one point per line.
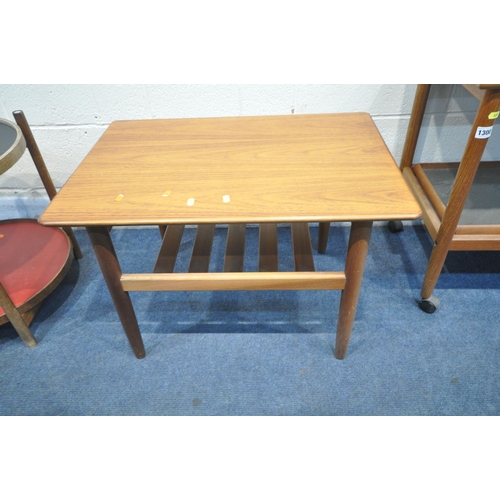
296 168
233 281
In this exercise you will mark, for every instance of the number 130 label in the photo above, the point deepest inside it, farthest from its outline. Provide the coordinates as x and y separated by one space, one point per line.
483 132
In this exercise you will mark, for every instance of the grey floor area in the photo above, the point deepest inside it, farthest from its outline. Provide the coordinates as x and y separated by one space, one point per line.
265 353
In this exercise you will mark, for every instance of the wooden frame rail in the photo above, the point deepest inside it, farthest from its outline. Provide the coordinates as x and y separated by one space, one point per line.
233 281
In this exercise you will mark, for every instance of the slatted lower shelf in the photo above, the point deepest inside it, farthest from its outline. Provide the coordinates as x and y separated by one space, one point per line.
233 278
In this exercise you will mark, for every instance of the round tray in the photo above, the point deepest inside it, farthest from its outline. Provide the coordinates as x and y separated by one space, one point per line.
12 144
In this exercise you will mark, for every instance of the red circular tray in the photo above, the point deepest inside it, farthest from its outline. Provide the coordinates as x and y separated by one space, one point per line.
31 256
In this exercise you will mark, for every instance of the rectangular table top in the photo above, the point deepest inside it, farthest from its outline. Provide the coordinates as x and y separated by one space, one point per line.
312 168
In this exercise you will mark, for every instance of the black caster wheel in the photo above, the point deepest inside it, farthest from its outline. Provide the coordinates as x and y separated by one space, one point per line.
395 226
429 305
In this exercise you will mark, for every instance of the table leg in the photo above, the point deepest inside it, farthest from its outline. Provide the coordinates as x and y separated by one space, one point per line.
16 318
110 267
324 229
355 264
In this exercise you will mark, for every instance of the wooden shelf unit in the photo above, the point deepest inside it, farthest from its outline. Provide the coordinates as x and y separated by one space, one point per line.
233 276
442 217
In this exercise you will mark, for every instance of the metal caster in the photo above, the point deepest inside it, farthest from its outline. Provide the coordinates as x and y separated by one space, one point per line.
395 226
429 305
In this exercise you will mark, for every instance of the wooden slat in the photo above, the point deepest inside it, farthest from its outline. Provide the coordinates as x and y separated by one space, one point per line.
474 89
169 248
200 259
472 242
482 229
233 281
439 165
302 248
235 248
268 247
323 232
446 165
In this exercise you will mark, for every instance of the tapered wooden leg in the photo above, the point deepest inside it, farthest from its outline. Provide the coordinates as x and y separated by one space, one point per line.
16 319
324 230
355 266
29 316
434 268
110 267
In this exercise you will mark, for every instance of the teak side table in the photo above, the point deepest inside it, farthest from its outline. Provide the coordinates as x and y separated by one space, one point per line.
274 169
443 208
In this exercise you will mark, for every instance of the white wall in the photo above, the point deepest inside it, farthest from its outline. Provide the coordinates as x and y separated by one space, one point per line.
67 120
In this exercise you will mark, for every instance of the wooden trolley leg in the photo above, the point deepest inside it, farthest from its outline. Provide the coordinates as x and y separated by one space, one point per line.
110 267
17 320
355 264
416 118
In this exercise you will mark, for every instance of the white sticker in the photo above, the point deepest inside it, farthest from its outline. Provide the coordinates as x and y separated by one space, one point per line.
483 132
226 198
190 202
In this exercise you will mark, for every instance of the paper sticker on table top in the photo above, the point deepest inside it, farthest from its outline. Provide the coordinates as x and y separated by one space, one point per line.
226 198
483 132
494 115
190 202
119 197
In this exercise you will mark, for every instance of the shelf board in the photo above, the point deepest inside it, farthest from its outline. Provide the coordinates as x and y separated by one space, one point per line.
483 203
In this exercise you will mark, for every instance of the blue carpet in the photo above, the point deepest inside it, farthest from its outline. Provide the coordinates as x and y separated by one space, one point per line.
265 353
